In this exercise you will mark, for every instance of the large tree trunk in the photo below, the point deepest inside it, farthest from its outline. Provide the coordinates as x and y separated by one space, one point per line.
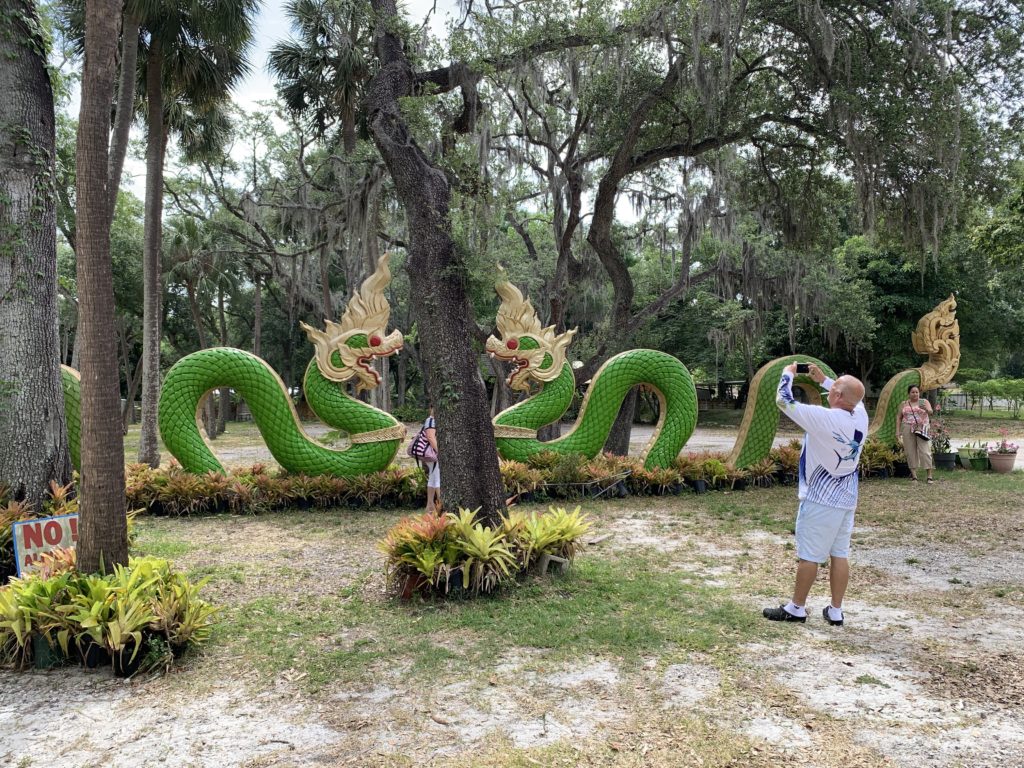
33 434
618 438
103 525
149 447
437 274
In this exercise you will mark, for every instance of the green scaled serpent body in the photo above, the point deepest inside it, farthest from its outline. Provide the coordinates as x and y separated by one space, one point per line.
345 351
761 415
610 386
272 409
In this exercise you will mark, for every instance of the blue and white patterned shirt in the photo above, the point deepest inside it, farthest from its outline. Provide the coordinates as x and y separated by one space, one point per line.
833 441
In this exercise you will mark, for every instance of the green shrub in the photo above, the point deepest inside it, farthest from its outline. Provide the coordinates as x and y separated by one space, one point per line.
143 602
436 552
544 460
410 413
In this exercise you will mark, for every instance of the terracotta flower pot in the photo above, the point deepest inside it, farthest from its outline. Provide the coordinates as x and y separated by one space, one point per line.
1002 462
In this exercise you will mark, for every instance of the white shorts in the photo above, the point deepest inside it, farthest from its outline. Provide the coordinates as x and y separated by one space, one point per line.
433 474
822 531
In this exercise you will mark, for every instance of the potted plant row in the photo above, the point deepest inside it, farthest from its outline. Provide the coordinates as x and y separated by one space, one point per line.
974 455
140 612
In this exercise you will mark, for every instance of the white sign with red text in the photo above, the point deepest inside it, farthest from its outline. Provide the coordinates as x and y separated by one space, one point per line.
33 538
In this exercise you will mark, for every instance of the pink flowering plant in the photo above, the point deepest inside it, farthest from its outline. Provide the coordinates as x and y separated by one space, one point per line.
939 434
1004 445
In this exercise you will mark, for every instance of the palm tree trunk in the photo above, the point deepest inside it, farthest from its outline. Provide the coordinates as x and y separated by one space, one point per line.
125 105
103 526
149 448
33 435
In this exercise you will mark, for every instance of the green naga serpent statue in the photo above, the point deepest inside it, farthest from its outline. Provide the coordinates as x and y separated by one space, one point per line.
539 356
345 351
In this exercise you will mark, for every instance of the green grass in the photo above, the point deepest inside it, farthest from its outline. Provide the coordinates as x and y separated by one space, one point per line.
620 608
871 680
158 542
325 617
770 509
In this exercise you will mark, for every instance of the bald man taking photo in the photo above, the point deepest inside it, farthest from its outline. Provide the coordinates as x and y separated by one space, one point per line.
828 487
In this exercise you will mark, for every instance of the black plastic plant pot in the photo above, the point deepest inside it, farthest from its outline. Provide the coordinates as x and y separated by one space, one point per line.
178 649
93 654
44 655
124 664
700 486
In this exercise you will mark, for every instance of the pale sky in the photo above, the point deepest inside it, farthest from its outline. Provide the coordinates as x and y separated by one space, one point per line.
272 26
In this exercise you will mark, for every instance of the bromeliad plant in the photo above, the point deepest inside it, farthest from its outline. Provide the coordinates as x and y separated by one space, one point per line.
121 612
436 552
483 556
421 547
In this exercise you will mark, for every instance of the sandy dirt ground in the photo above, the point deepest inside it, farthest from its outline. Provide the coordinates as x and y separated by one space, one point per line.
928 671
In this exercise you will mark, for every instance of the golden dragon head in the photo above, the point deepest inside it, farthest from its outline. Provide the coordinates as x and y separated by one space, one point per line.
938 336
347 349
539 353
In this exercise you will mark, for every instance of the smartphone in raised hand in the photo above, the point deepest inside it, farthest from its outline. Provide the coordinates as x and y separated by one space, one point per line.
803 367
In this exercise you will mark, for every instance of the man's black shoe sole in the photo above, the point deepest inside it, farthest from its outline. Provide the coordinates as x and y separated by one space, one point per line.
781 614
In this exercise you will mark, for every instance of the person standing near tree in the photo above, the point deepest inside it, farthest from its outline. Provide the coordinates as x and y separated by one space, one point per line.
914 420
833 441
433 468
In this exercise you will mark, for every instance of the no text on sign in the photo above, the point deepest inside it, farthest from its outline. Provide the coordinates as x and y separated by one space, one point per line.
33 538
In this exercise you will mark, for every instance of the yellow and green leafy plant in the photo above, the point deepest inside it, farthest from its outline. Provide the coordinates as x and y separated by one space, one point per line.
484 556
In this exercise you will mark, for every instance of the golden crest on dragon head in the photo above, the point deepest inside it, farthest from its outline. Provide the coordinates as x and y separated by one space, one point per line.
938 336
346 350
538 352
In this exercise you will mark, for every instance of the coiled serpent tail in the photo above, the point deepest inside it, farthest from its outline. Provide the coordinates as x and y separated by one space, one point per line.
663 373
376 435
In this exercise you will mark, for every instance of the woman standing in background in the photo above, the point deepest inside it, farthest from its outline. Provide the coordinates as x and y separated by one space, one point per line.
915 413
